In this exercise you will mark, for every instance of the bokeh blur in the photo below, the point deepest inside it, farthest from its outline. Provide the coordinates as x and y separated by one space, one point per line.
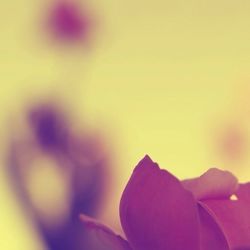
89 87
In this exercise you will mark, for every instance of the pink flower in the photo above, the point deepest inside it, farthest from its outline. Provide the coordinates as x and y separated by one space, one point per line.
160 212
70 22
75 161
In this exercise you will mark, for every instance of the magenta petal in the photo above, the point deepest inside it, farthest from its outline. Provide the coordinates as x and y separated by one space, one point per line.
213 184
157 212
233 216
101 237
212 236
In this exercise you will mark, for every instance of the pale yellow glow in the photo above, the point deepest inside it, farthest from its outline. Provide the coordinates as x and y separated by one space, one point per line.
49 190
234 197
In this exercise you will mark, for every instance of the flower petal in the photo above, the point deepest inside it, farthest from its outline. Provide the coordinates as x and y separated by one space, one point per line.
101 237
212 236
213 184
233 216
157 212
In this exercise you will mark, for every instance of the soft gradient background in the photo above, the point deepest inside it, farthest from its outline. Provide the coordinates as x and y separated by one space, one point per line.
166 78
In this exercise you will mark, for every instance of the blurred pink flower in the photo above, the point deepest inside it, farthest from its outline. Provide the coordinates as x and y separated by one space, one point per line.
80 164
159 212
231 143
68 21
